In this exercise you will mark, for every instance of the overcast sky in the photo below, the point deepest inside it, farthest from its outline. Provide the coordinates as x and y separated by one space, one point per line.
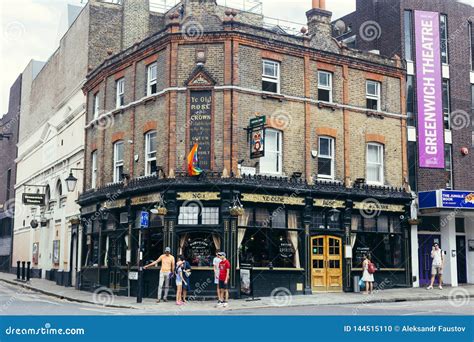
31 30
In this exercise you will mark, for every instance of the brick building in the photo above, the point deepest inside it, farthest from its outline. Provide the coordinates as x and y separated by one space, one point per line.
444 209
335 154
9 123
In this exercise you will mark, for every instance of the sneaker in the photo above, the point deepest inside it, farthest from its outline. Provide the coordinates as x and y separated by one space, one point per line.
158 301
440 287
219 304
179 303
165 300
429 287
225 304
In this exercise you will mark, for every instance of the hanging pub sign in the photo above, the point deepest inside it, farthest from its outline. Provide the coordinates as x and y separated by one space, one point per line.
200 128
257 137
33 199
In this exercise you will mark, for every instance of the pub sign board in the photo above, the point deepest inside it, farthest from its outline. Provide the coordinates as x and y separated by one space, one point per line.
201 126
257 137
33 199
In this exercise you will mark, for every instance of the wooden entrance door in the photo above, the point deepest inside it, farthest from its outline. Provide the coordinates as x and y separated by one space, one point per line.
326 263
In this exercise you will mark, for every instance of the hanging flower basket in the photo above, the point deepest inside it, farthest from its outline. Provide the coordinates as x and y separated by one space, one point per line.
237 211
162 211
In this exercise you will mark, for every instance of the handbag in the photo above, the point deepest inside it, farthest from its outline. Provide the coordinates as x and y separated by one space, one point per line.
361 284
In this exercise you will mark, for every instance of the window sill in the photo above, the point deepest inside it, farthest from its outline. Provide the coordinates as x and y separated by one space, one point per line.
274 96
323 104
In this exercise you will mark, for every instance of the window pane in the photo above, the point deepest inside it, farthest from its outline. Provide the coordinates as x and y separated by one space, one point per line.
325 147
410 94
324 166
210 216
408 31
199 249
373 154
324 95
382 224
324 79
262 217
373 173
270 69
372 104
372 88
279 218
271 87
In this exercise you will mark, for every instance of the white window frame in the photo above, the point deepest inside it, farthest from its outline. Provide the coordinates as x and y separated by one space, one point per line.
331 156
326 87
377 96
118 163
279 152
94 169
271 78
148 154
120 92
96 105
381 151
150 79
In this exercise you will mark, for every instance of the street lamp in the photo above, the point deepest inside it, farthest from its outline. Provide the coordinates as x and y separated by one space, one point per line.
71 181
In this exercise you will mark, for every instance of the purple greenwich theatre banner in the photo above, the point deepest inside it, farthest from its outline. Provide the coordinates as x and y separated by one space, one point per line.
428 76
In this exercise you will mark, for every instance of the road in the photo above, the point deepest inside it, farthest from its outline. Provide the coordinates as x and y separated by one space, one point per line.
18 301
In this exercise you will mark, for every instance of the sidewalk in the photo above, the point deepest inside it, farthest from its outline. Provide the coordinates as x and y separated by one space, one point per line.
282 299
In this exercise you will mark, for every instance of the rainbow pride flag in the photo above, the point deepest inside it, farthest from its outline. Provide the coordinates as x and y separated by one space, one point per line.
193 169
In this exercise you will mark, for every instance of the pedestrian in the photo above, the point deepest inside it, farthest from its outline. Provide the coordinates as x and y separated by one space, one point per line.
368 274
179 281
167 267
215 264
186 277
436 266
224 274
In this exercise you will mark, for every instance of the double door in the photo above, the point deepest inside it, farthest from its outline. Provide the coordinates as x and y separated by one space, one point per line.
326 264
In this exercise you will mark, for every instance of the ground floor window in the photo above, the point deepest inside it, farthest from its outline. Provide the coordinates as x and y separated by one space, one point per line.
199 248
270 238
153 244
327 218
385 250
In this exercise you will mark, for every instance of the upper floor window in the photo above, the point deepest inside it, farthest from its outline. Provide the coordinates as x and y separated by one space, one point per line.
471 44
151 79
95 108
411 101
270 76
375 161
443 25
118 161
408 33
326 158
94 169
150 153
448 156
372 94
324 86
120 92
272 162
446 105
193 215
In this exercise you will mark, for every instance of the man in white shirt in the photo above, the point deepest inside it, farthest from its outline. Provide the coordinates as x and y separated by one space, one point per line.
215 264
436 266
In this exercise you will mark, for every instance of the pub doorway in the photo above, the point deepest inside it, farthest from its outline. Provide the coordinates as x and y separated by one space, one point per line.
326 264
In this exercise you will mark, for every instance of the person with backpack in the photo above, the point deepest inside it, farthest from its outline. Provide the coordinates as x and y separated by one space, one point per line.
186 277
368 274
178 272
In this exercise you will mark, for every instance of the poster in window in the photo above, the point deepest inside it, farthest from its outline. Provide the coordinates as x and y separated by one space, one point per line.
56 252
35 253
200 128
359 255
286 250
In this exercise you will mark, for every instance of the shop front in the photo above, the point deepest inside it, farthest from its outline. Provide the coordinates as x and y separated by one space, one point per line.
279 235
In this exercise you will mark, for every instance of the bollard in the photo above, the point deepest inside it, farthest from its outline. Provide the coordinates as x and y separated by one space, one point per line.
23 275
28 270
18 270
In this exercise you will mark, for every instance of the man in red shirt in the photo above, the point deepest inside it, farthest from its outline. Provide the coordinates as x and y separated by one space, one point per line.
224 273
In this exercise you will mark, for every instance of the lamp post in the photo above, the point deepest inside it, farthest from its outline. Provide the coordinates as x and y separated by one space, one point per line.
71 181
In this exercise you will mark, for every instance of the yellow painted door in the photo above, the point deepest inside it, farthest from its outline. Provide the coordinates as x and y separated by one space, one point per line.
326 264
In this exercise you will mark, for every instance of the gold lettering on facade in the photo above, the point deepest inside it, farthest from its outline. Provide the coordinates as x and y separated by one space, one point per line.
329 203
153 198
289 200
199 196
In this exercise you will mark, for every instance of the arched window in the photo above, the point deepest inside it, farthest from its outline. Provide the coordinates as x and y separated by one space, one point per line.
59 189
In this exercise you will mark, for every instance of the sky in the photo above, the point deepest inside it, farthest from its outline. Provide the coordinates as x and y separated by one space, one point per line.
31 29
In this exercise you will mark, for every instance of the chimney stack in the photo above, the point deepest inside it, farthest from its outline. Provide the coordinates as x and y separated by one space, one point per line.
136 21
319 19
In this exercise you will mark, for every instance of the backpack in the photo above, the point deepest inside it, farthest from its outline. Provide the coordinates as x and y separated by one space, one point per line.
371 268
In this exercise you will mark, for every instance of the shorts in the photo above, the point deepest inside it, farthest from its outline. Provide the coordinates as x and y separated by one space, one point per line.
179 282
436 270
222 285
216 280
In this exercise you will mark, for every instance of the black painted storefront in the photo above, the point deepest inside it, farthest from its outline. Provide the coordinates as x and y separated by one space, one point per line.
112 212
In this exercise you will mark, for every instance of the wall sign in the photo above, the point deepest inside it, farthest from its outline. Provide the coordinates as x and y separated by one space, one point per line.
446 199
200 128
379 207
257 137
273 199
33 199
429 90
147 199
329 203
201 196
114 204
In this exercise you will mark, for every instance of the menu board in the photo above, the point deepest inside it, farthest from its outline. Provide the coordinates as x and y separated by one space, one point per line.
200 127
199 252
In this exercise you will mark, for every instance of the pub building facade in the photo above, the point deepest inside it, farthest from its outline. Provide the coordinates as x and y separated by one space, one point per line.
328 187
